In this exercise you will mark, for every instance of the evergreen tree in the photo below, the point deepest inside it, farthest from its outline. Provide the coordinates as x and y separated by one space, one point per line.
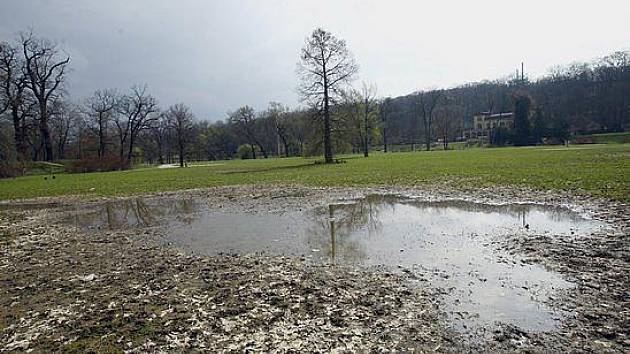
522 103
539 126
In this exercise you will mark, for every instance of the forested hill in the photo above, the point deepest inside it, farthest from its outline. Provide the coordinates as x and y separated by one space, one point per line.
583 97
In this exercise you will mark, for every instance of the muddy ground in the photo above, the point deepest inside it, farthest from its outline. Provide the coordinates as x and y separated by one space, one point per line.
63 288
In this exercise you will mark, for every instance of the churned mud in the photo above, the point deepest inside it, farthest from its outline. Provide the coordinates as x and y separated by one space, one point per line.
266 268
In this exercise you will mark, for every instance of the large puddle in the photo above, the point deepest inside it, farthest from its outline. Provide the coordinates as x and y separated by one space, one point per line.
448 244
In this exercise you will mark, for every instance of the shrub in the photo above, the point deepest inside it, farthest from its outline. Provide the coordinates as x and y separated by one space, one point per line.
10 169
245 151
95 164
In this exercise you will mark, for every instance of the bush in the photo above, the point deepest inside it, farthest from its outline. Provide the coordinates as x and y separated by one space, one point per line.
500 137
10 169
245 151
94 164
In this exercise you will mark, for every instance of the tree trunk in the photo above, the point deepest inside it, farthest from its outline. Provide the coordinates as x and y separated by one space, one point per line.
181 154
122 151
384 139
101 136
20 134
262 149
160 152
253 151
286 147
428 136
130 151
328 154
45 132
427 131
366 144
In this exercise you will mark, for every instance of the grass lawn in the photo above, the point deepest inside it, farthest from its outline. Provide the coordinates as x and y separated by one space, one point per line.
602 170
606 138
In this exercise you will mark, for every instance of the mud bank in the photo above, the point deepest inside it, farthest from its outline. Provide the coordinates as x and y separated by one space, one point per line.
65 287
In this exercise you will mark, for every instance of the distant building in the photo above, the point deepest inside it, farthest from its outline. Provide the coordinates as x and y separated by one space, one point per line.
485 123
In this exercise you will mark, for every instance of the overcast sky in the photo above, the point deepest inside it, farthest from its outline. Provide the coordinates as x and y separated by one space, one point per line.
218 55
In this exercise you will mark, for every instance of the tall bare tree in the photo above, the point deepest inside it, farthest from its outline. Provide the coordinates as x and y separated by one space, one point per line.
160 129
426 102
45 69
100 108
63 118
14 96
446 121
369 108
326 66
136 111
245 119
280 116
355 118
384 112
180 119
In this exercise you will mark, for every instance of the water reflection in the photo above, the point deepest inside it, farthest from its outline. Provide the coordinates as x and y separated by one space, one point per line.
138 213
447 243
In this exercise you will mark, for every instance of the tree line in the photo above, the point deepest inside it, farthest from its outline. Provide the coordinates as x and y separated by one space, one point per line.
41 122
579 98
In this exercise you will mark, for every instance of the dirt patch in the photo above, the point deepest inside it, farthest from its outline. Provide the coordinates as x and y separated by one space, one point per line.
62 288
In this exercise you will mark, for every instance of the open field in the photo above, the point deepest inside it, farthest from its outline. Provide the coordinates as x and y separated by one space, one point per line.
598 170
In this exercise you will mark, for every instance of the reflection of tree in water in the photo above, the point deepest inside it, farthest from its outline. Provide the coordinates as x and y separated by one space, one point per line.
518 211
140 212
332 227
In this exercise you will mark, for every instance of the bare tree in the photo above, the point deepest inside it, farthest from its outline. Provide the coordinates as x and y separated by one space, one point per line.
100 109
446 115
425 107
14 96
300 127
180 119
136 111
368 101
244 119
159 129
63 118
280 116
325 66
384 111
45 70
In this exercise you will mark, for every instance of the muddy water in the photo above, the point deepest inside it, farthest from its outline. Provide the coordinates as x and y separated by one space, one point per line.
448 244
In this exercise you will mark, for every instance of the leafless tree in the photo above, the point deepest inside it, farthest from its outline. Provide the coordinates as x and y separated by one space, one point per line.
63 118
326 66
280 116
14 96
446 115
245 119
180 120
100 109
300 126
426 102
135 112
384 111
159 130
369 108
45 69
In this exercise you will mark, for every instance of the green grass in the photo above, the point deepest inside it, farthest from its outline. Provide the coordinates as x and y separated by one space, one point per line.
600 170
607 138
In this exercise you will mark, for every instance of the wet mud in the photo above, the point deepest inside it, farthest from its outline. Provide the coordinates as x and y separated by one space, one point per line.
541 273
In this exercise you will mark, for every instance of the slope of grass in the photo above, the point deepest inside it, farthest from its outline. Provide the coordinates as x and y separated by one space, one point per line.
607 138
601 170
